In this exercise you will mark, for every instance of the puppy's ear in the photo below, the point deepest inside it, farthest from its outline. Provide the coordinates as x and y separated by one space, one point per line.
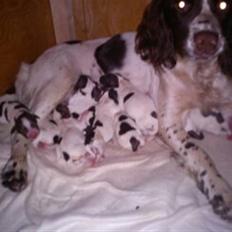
154 39
225 62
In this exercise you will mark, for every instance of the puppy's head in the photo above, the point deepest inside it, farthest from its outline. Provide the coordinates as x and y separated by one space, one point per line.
26 124
109 80
200 29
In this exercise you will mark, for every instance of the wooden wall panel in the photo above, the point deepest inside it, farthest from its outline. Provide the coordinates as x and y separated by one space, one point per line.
26 26
97 18
63 20
26 30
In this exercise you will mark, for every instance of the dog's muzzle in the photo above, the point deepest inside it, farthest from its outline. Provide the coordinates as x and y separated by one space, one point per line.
206 44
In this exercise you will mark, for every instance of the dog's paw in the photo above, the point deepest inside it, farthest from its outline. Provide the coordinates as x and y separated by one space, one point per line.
14 176
222 205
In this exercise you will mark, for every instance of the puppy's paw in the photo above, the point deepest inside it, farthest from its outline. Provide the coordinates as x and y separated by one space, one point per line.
95 153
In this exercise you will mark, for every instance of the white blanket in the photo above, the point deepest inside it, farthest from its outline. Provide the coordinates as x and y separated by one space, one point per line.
144 191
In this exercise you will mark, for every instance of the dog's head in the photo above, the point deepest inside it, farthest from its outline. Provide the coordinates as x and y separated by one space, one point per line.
200 29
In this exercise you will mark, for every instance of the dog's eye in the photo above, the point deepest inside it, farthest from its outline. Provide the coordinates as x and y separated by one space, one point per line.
222 5
183 6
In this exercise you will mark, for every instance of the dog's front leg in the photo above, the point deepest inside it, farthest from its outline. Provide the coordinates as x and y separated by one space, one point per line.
196 161
26 125
14 174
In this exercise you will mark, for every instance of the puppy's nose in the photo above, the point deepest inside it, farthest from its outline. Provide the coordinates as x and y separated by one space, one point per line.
206 43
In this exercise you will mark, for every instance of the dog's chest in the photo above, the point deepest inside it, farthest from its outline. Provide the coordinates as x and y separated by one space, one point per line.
182 90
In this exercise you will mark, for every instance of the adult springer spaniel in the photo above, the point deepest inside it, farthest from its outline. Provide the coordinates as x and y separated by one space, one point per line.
181 56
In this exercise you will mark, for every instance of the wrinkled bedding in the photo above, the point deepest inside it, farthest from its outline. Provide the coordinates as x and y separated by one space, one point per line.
142 191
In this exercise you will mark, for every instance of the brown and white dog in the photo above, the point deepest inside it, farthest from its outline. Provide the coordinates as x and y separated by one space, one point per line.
180 56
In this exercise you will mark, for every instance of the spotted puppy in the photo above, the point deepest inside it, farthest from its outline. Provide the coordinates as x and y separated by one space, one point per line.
129 110
76 142
73 155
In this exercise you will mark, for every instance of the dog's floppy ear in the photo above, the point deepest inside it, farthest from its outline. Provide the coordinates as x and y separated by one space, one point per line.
225 61
154 40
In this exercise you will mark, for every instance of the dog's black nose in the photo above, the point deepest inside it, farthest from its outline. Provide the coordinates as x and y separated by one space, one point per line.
206 43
